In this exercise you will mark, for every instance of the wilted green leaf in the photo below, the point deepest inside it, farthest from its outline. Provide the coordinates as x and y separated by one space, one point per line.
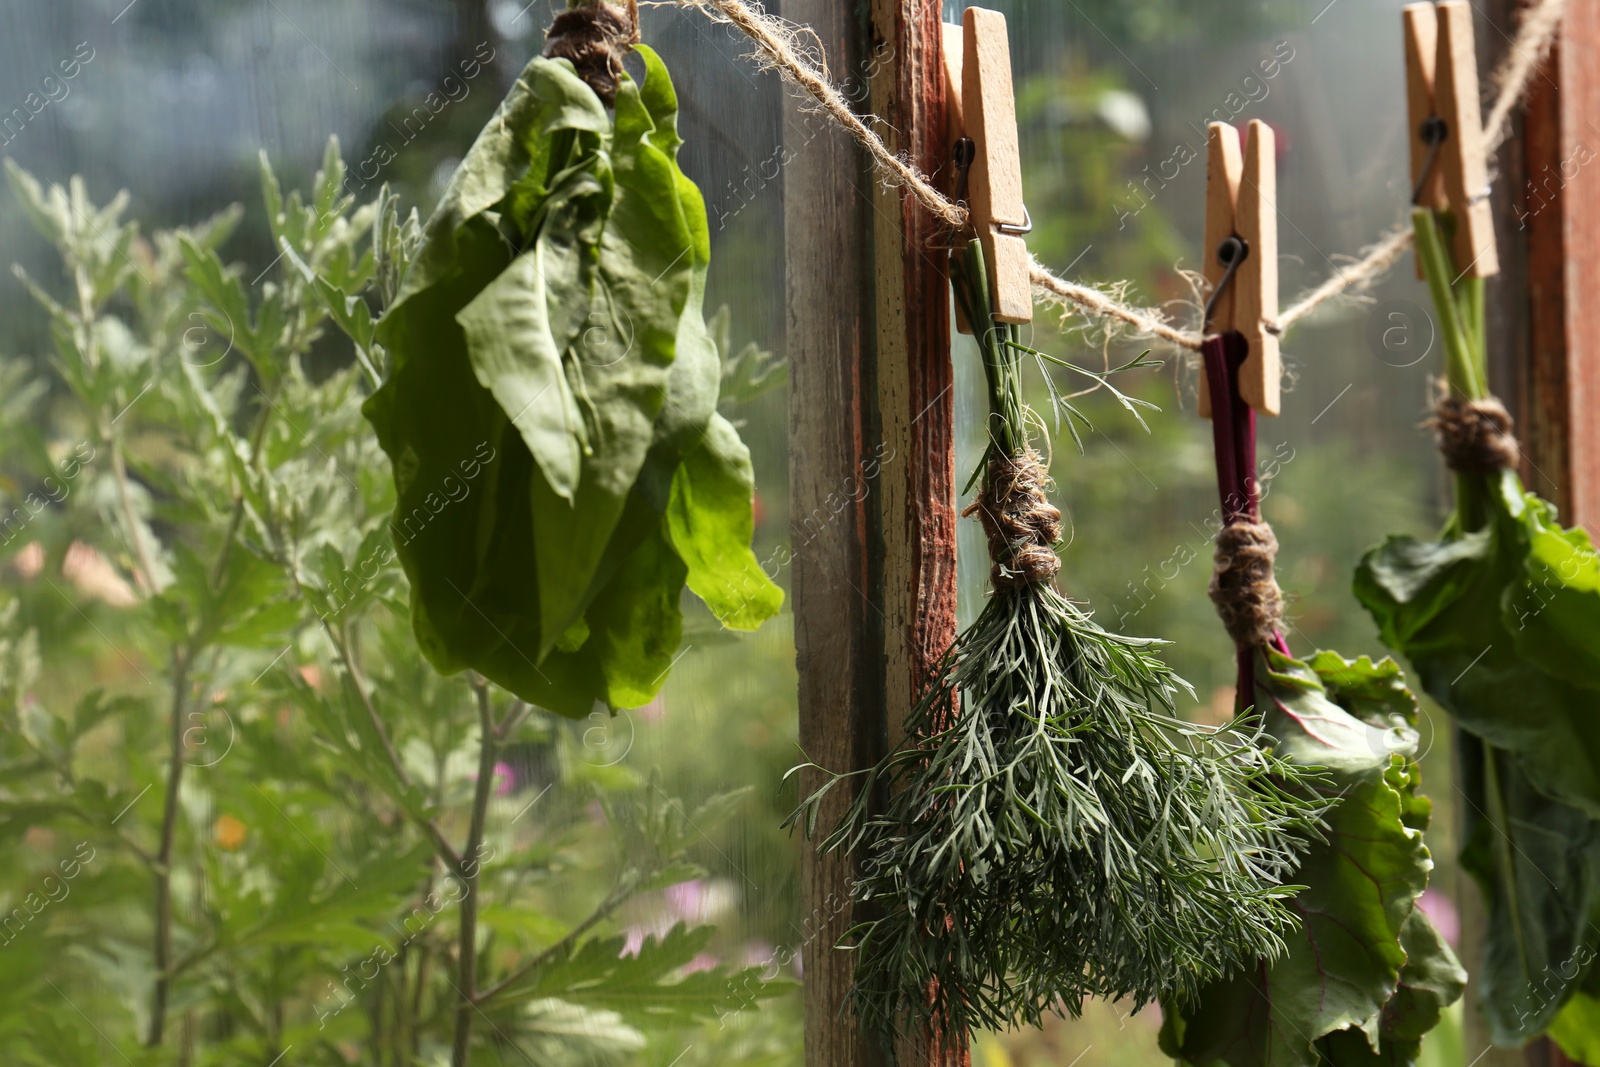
582 360
1343 968
1502 625
711 525
1577 1029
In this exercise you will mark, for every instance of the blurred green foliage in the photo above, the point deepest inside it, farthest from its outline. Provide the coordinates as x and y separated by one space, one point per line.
208 685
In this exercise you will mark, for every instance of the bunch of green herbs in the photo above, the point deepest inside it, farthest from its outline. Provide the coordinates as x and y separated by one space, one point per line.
1051 829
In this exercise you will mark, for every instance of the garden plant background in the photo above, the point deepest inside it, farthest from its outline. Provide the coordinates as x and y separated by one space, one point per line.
186 487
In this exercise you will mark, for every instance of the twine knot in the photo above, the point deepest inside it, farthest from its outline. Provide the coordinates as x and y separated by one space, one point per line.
1475 436
593 38
1242 585
1019 520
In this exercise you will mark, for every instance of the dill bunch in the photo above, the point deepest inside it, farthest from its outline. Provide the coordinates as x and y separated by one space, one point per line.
1051 829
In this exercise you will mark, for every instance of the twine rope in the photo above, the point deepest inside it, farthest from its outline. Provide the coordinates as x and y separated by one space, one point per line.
779 47
1243 586
594 38
1475 436
1019 520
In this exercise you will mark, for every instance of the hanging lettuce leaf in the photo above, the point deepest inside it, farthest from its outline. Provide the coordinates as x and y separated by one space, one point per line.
1537 861
625 342
636 623
1430 981
1502 626
1366 975
1577 1028
710 522
517 345
439 427
546 100
550 408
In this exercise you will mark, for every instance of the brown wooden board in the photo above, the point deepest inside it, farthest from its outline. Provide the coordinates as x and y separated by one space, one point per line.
916 408
872 490
1556 208
829 341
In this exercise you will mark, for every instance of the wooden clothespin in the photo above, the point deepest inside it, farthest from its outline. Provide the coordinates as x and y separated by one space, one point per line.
983 108
1241 221
1449 170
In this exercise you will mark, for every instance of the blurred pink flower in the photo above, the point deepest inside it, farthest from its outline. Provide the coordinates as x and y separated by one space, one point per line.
759 953
1442 911
703 962
93 575
29 561
687 900
503 777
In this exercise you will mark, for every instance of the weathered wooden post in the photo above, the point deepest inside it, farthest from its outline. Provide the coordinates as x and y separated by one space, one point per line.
872 462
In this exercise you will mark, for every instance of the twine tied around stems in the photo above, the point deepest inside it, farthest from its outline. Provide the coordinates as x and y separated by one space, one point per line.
594 38
1019 520
1475 436
1243 586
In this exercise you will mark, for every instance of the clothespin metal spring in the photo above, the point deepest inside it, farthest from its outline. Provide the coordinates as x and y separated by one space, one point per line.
962 154
1017 229
1231 252
1433 131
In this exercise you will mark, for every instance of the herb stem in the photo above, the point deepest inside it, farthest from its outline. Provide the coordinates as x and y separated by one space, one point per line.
1460 366
620 892
514 715
423 959
163 857
1460 306
1471 294
119 467
1504 861
341 644
1002 365
467 869
119 473
182 660
237 518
